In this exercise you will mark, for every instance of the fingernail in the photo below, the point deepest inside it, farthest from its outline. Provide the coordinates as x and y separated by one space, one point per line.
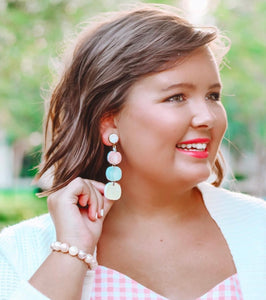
96 216
102 212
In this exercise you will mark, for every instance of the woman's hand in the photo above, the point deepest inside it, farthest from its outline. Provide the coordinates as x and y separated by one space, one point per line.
78 211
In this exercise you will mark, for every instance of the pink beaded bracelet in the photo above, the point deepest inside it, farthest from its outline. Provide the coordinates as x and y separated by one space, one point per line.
75 252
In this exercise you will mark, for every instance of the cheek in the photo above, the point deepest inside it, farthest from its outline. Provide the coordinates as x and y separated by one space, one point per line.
223 123
144 135
220 124
148 123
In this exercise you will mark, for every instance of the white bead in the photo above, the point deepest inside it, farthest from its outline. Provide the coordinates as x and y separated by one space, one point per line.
112 191
64 247
57 246
88 259
93 264
73 250
82 254
113 138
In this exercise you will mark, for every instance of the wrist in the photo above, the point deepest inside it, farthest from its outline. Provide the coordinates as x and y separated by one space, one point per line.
87 245
75 252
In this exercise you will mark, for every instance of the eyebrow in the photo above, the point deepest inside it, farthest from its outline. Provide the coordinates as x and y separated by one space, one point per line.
189 86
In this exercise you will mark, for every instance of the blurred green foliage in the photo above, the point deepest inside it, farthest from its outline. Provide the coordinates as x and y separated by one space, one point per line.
244 81
17 205
30 162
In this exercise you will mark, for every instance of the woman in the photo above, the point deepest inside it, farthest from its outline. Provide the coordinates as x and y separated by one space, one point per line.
145 85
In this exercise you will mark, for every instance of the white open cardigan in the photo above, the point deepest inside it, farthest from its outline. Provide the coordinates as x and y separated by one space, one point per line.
241 218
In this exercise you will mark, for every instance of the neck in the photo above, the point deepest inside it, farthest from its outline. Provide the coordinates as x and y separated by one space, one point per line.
147 199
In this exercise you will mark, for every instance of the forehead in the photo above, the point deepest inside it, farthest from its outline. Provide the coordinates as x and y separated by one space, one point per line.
198 68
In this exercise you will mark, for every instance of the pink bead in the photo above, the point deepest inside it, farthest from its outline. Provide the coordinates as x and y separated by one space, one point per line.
114 158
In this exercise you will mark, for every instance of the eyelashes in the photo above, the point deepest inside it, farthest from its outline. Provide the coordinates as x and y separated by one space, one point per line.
179 98
213 97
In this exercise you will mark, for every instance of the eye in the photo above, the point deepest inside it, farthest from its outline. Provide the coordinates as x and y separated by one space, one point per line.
177 98
213 97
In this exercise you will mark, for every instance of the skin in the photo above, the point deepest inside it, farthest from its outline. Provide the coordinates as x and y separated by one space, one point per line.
159 114
160 228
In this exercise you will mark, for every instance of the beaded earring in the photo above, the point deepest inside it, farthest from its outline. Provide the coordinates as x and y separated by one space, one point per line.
112 190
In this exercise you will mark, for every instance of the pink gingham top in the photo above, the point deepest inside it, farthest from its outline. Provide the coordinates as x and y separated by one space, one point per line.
112 285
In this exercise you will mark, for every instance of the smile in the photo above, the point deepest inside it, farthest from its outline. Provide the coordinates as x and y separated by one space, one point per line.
196 148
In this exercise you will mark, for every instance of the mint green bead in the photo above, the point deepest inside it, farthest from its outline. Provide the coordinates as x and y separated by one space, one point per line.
113 173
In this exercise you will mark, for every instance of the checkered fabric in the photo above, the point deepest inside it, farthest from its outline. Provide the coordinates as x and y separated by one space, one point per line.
112 285
229 289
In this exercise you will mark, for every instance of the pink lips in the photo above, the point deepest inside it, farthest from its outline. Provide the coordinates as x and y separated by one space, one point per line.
192 152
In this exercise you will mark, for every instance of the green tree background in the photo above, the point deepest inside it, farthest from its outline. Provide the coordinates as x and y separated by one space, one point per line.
244 82
30 36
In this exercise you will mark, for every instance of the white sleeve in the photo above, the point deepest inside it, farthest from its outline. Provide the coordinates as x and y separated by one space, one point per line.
12 287
23 248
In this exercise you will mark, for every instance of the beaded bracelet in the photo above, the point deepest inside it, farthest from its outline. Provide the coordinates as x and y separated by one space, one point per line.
75 252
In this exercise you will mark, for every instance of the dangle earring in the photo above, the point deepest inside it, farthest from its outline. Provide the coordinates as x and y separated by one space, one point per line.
112 190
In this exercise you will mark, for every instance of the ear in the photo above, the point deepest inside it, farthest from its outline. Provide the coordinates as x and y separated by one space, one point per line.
107 127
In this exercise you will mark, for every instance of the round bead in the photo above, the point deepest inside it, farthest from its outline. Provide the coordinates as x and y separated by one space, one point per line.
113 173
93 264
57 246
114 157
113 138
64 247
112 191
73 250
82 254
88 259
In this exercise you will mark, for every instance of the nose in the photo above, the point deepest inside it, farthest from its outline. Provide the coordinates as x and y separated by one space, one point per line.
203 115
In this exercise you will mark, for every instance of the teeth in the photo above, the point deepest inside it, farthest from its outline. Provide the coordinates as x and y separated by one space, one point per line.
198 146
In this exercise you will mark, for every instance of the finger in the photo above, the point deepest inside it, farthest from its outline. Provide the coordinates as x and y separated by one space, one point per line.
100 192
92 202
100 198
77 188
83 200
99 186
100 201
107 206
84 192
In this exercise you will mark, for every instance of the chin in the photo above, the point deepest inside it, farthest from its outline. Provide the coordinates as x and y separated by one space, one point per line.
192 179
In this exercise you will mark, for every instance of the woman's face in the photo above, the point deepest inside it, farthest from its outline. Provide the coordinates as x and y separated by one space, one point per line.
173 122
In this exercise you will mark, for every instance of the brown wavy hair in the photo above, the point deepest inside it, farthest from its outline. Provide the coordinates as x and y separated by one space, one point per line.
106 61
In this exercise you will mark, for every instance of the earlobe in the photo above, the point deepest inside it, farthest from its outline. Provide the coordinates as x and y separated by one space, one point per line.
105 137
107 127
